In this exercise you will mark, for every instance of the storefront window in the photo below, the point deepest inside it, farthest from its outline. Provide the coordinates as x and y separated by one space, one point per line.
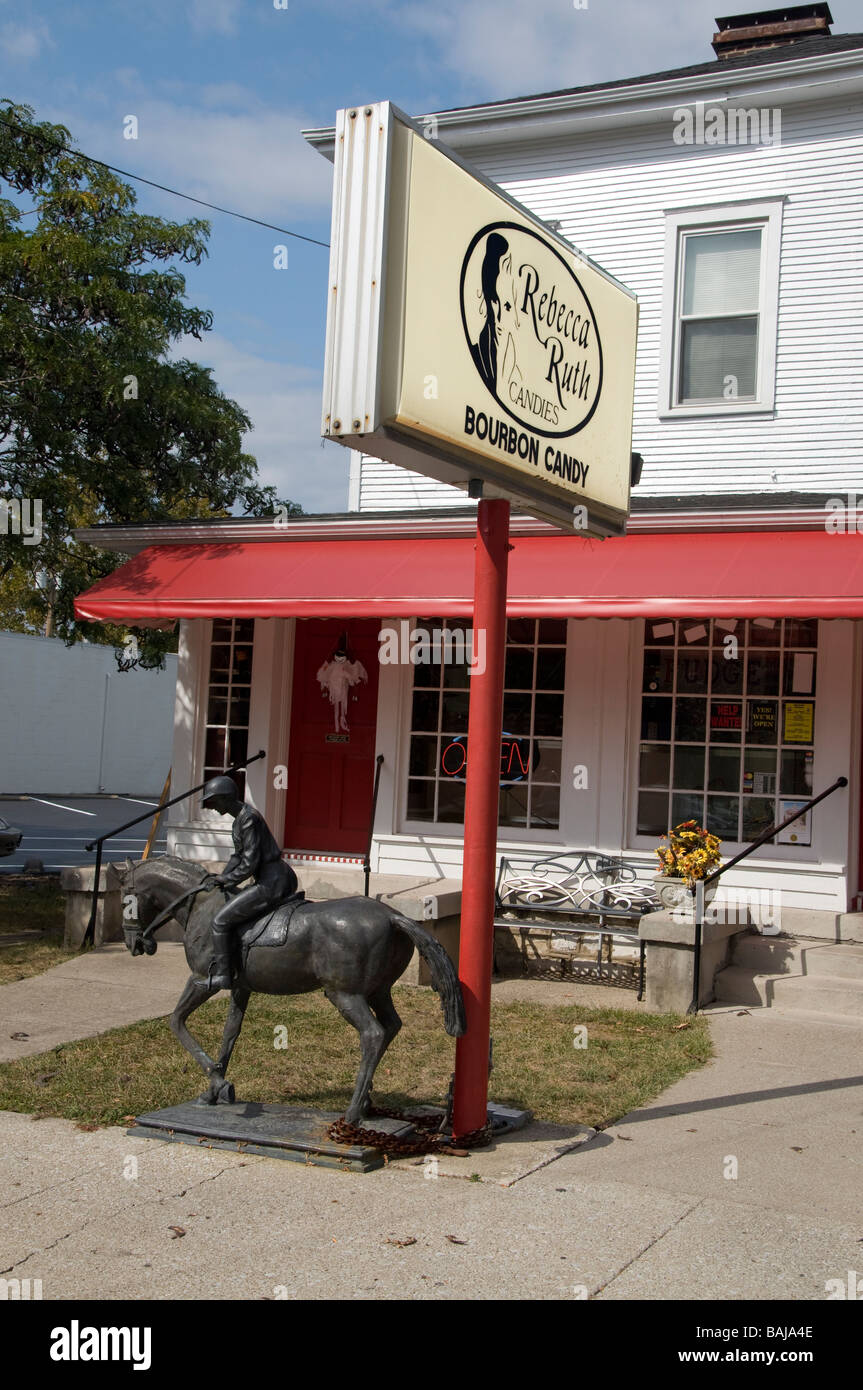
228 696
532 726
727 723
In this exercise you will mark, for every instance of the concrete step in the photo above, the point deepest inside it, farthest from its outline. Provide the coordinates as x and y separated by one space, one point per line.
777 955
815 994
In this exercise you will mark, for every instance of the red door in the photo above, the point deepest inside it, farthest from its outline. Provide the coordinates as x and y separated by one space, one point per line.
330 768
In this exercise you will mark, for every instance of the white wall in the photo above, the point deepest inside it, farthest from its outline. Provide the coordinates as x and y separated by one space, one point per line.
57 727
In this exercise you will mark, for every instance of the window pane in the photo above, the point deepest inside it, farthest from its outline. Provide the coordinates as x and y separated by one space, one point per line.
454 714
450 801
761 721
762 673
727 675
656 717
722 813
689 767
658 671
550 668
516 714
421 800
241 671
715 349
764 632
801 632
546 758
552 630
721 273
655 765
726 721
759 771
759 814
548 718
425 710
512 806
545 807
686 806
724 770
518 674
521 630
214 748
795 778
799 674
423 758
691 674
690 720
652 813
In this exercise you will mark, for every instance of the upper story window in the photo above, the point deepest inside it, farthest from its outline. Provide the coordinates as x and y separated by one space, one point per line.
720 310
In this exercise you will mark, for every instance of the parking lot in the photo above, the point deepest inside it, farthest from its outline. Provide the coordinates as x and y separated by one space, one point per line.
56 829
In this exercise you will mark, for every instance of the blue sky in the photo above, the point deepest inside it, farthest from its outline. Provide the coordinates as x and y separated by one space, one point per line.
221 90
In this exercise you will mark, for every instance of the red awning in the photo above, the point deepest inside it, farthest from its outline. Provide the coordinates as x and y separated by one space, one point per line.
759 573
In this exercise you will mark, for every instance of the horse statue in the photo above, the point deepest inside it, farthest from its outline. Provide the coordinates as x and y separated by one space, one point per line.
352 948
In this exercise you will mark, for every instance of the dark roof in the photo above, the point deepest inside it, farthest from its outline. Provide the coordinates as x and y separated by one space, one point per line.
818 47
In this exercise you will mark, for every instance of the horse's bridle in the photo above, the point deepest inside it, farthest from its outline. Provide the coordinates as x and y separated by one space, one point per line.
145 933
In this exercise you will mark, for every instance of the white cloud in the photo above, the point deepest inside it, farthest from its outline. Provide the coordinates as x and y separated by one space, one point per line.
218 16
507 48
20 42
284 403
253 161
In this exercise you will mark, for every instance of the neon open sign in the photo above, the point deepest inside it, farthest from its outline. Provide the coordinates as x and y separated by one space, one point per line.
516 758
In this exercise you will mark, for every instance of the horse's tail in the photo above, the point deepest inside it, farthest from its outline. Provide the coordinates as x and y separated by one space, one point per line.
444 977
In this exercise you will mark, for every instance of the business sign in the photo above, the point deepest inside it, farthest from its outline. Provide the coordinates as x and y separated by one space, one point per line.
466 339
517 759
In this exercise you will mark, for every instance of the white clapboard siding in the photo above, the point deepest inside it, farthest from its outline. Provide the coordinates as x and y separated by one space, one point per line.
609 191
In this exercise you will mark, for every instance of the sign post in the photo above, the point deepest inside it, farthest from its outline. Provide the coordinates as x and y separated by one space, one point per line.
482 793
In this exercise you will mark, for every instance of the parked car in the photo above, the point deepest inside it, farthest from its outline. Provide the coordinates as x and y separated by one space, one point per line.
10 838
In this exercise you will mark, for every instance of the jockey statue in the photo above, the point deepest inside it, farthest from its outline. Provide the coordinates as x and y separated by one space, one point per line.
256 856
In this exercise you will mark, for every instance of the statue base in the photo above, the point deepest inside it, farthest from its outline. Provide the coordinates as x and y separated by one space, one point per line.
274 1131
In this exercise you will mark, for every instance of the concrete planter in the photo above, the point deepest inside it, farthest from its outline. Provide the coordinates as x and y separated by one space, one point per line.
676 897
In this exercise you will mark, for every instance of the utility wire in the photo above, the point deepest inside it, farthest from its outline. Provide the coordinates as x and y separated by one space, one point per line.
78 154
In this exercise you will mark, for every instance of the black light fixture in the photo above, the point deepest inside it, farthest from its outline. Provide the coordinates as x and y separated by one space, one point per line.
636 465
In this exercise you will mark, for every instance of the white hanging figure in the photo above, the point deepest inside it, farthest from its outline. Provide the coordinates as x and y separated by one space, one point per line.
336 677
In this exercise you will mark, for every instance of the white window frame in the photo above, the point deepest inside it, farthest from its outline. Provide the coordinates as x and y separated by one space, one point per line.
766 215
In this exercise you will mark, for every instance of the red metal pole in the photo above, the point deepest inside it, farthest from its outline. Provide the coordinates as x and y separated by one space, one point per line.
482 791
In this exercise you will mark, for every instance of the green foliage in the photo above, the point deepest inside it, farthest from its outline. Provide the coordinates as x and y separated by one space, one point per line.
96 419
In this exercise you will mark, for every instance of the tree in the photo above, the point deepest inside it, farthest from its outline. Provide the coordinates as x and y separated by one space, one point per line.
97 422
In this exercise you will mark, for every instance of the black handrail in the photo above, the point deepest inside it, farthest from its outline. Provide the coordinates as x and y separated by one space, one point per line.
90 933
367 862
710 878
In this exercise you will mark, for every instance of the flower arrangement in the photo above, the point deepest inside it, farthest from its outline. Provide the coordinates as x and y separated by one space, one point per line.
690 853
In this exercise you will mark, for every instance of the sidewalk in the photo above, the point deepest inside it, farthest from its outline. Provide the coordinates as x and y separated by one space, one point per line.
642 1211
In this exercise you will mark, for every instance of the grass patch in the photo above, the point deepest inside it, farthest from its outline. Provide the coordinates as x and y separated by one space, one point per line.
25 905
630 1057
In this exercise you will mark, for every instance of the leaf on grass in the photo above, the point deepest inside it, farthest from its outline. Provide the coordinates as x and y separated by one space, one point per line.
408 1240
176 1232
687 1023
46 1077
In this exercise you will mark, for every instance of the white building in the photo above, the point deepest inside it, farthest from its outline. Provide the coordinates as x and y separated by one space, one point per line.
706 665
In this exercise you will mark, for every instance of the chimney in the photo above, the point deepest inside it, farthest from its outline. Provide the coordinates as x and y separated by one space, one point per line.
741 33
